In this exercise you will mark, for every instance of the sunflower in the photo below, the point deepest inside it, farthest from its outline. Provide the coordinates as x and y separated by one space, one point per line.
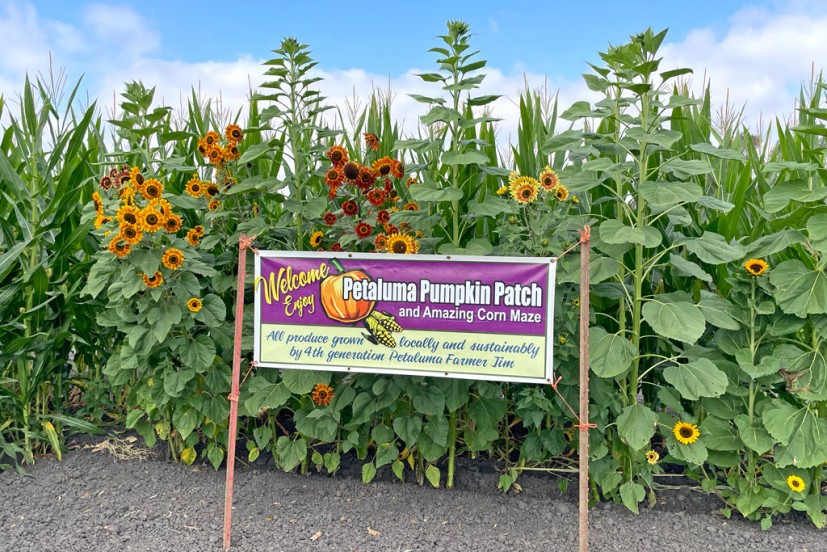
411 206
383 216
363 230
214 205
333 176
414 245
172 224
316 238
524 189
101 219
371 141
350 207
153 281
756 267
173 258
549 179
351 171
151 219
193 238
118 247
381 242
202 147
686 433
131 234
400 244
384 166
322 394
233 133
105 182
411 181
336 247
98 201
561 192
337 155
231 152
795 483
128 214
512 176
419 234
194 304
377 197
652 457
152 189
133 175
398 169
198 229
329 219
127 195
390 229
211 138
502 190
212 189
367 178
215 154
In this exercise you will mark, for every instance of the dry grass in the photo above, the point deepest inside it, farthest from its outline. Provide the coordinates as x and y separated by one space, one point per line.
122 449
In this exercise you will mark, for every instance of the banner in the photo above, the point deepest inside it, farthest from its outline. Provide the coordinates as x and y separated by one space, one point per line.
488 318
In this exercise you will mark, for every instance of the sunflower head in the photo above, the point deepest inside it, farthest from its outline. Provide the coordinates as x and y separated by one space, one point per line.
686 433
351 171
211 138
172 223
502 190
151 219
152 189
384 166
363 230
329 219
337 155
381 242
193 238
195 187
131 234
549 179
371 141
756 267
173 258
233 133
350 207
322 394
316 238
214 205
153 281
334 176
411 206
561 192
336 247
194 304
398 169
524 189
795 483
377 196
118 247
652 456
400 244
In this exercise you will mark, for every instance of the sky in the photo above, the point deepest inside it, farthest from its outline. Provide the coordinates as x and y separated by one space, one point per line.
755 54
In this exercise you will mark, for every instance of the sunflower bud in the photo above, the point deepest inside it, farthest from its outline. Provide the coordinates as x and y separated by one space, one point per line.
512 219
544 242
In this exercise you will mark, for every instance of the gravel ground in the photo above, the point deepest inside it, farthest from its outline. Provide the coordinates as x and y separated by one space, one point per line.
93 502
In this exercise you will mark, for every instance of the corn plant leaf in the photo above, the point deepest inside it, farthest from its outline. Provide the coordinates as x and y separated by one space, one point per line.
696 379
791 191
717 311
800 430
688 268
669 194
721 153
778 166
615 232
610 354
798 290
636 425
675 320
686 168
753 435
713 248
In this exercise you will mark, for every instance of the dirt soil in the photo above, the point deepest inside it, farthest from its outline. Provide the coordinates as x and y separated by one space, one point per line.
92 501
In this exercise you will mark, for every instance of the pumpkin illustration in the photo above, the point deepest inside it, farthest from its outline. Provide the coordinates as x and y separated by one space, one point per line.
336 307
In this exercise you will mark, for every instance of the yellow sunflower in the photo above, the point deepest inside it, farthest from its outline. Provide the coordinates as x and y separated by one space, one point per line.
231 152
172 224
194 304
756 267
215 154
98 201
561 192
128 214
380 242
151 219
101 219
127 195
173 258
211 138
524 189
411 206
195 187
152 189
322 394
337 155
384 166
136 177
233 133
198 229
549 179
118 247
652 457
795 483
131 234
153 281
502 190
400 244
212 189
316 238
214 205
686 433
193 238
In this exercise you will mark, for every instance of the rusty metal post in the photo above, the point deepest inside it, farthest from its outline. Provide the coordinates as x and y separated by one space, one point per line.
243 244
585 247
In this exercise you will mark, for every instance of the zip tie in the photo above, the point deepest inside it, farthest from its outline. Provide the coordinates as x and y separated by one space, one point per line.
253 364
582 426
585 237
245 242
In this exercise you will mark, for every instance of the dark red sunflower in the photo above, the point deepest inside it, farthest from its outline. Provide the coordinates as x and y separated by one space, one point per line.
351 171
363 230
377 196
350 207
329 219
371 141
334 176
383 216
337 155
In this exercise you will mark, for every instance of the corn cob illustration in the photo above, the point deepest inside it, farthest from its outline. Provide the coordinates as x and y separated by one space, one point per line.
380 324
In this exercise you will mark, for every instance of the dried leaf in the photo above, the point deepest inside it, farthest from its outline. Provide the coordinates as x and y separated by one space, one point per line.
316 535
373 532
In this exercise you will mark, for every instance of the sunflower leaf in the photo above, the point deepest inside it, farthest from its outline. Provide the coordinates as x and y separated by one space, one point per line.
632 494
675 320
636 425
713 248
610 354
802 433
799 291
615 232
700 378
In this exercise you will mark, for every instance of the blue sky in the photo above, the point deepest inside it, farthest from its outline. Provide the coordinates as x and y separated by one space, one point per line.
760 52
